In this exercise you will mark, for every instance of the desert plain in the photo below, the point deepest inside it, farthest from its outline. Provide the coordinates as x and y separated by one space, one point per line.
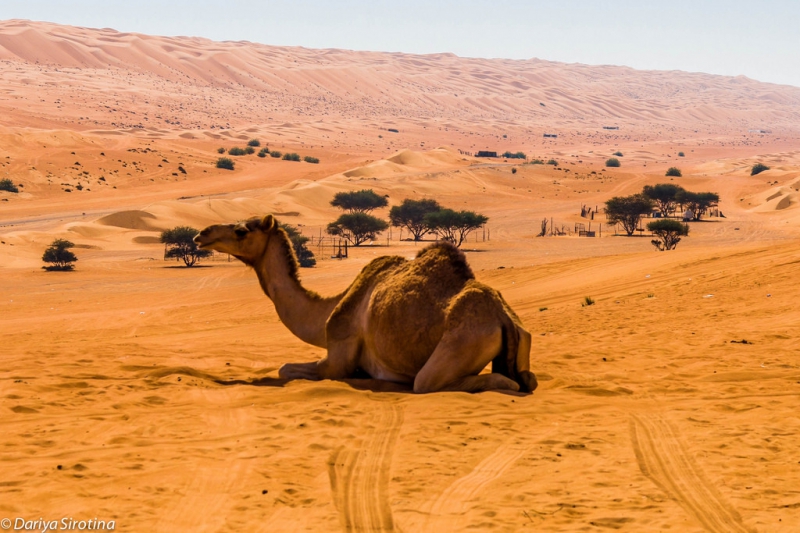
137 390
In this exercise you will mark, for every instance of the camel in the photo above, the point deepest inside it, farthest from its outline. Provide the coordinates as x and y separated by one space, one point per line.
425 322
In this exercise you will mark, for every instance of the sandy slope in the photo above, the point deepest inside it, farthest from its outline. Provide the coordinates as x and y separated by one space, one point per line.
136 390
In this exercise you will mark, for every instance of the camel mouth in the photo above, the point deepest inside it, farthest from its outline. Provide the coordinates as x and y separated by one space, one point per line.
201 243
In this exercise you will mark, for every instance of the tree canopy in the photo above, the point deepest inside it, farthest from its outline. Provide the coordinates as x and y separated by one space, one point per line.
305 257
669 233
59 256
612 162
758 168
411 215
697 202
664 195
628 210
357 227
363 201
180 244
454 226
674 171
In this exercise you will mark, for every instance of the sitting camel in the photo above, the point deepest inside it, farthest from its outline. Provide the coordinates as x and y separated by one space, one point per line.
426 321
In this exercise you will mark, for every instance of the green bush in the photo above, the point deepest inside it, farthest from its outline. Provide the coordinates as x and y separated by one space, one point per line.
305 257
681 154
262 153
180 244
275 153
8 185
236 151
309 159
225 162
758 168
514 170
669 233
552 162
59 256
515 155
220 150
613 162
674 171
618 154
249 150
537 162
291 157
255 143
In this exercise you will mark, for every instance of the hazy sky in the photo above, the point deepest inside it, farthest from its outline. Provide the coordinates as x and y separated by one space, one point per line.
759 39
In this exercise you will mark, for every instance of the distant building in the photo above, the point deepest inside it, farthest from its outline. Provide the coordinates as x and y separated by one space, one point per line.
484 153
610 127
551 135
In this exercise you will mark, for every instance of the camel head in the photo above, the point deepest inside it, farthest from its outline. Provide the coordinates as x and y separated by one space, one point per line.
247 241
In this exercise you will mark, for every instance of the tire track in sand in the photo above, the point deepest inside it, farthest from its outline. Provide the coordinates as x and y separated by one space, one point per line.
448 509
664 459
360 477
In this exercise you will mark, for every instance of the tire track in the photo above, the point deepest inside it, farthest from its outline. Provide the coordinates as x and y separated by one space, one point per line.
664 459
360 477
447 510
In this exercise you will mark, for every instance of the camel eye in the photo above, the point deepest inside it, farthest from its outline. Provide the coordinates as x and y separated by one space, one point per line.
241 232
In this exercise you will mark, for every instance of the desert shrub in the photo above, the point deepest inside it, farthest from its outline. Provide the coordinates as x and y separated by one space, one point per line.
538 162
59 256
514 170
393 130
758 168
454 226
236 151
681 154
357 227
305 257
255 143
249 150
291 157
220 150
225 162
669 233
587 301
552 162
664 195
362 201
628 210
275 153
515 155
180 244
262 153
309 159
411 215
618 154
674 171
8 185
613 162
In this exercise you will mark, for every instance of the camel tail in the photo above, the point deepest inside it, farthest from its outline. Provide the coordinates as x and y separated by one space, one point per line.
514 360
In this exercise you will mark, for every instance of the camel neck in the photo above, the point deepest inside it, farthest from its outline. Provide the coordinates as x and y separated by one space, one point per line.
305 313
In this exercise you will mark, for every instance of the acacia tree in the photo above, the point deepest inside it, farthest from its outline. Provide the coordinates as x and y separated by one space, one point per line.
669 233
357 227
454 226
663 194
628 210
59 256
411 215
363 201
697 202
305 257
180 244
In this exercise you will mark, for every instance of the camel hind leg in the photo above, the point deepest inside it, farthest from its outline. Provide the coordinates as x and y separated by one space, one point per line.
459 357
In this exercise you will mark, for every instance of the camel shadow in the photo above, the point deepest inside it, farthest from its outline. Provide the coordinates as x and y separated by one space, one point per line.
363 384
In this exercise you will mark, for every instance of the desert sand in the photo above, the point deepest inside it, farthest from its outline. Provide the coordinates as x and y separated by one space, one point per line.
136 390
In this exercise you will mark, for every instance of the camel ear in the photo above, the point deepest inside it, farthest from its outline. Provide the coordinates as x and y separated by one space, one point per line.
268 223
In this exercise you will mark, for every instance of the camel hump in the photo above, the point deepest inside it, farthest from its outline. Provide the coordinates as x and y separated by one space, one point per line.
445 252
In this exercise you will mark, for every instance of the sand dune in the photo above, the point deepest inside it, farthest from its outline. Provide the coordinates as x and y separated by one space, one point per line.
138 390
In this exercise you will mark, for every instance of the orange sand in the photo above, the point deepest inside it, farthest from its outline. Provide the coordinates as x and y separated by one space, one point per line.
648 416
